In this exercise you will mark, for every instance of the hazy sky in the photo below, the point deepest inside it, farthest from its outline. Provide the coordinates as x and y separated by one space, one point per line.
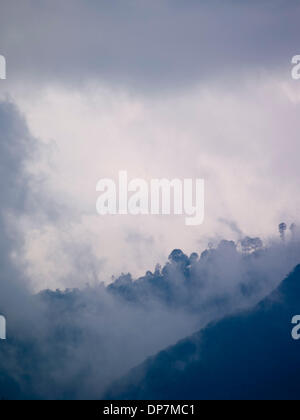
165 88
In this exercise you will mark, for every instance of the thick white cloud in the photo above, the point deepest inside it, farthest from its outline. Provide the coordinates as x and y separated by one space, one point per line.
242 140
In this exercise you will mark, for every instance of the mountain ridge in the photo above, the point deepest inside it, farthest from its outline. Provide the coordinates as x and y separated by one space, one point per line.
249 355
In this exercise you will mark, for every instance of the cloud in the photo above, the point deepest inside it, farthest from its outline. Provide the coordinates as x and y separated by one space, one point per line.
74 343
15 148
228 114
243 141
85 85
148 45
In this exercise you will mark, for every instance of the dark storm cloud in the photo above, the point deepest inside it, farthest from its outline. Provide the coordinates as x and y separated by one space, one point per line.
15 148
142 43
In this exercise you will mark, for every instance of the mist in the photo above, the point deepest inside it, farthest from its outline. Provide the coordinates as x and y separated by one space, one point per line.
73 343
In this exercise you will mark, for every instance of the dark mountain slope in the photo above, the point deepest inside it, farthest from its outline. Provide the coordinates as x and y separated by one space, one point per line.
247 356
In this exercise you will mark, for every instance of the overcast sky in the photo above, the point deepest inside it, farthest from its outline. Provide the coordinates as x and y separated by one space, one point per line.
165 88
